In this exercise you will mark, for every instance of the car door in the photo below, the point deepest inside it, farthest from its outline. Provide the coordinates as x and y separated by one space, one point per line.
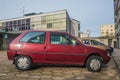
63 48
32 44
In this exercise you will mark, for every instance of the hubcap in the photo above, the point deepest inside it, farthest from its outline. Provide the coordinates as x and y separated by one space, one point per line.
95 64
23 62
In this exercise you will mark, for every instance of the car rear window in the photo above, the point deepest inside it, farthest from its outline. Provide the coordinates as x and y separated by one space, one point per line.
34 37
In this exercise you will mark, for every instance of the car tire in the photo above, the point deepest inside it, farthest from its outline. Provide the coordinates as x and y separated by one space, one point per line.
23 63
94 64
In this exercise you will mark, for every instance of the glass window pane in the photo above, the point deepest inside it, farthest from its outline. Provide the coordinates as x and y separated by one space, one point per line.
56 17
61 39
43 20
49 25
63 15
34 37
62 20
49 17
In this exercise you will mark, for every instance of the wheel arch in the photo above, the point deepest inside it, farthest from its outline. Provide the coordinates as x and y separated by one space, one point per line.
92 54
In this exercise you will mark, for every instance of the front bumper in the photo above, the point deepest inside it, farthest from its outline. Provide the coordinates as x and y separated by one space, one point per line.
106 59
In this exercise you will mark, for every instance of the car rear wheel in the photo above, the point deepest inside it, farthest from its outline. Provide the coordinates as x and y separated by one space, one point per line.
94 64
23 63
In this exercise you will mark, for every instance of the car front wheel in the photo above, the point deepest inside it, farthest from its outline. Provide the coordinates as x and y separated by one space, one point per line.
94 64
23 63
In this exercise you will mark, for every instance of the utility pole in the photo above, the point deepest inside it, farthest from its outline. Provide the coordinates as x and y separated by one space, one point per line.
23 11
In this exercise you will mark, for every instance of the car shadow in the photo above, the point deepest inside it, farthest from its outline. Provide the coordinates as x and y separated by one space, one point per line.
34 67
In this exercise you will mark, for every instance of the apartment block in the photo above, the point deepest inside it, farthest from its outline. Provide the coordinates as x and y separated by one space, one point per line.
107 30
84 35
117 21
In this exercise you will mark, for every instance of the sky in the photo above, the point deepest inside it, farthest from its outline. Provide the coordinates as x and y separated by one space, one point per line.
90 13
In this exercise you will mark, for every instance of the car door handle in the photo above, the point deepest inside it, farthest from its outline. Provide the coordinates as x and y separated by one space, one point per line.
44 47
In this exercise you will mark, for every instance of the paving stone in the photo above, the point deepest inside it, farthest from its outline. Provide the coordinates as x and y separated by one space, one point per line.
35 74
58 75
22 75
45 77
68 76
58 78
46 73
34 77
80 78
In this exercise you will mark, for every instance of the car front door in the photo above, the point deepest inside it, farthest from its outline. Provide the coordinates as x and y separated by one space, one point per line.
63 48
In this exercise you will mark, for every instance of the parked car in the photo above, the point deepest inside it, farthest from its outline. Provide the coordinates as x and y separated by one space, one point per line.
50 47
97 44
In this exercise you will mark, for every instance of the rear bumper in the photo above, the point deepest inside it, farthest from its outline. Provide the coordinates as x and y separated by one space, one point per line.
11 54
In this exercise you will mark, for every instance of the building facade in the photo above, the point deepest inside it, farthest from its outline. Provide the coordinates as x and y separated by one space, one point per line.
84 35
58 20
55 21
107 30
117 21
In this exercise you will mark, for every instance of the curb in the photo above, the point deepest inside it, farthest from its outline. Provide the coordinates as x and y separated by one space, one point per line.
116 64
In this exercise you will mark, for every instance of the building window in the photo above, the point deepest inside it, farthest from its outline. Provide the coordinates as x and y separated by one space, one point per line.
106 33
27 20
19 22
23 21
43 20
107 30
49 25
111 29
102 32
14 22
10 23
111 34
49 17
27 27
55 17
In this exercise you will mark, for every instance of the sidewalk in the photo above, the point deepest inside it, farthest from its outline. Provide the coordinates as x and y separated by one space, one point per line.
116 58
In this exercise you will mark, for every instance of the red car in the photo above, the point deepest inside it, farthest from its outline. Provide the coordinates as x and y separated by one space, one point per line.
50 47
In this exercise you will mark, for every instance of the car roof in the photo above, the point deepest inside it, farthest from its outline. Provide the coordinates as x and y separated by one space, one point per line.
45 31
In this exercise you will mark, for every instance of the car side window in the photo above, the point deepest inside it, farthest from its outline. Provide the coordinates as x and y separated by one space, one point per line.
93 42
86 42
63 39
34 37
